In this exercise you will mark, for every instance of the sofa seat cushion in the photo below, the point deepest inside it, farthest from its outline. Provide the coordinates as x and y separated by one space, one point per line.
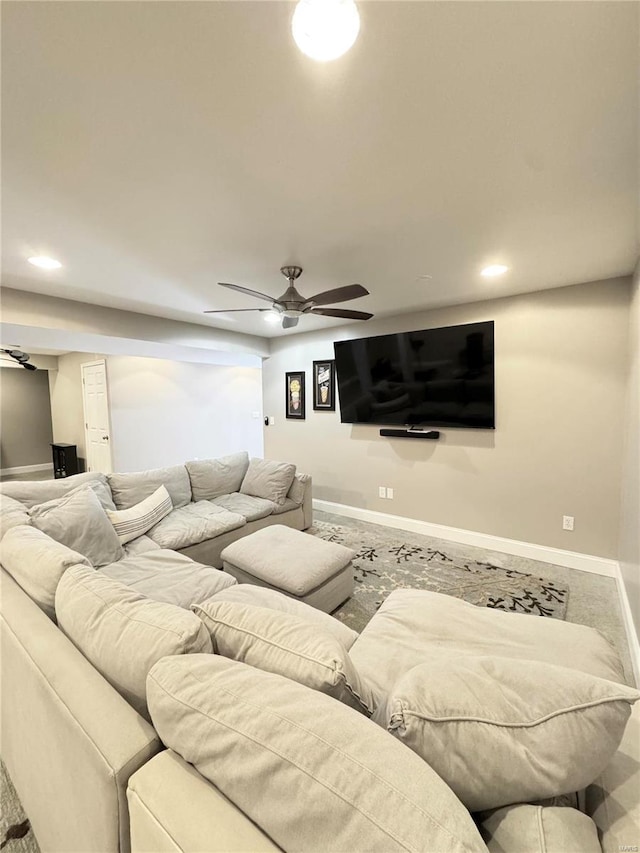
524 828
310 772
415 625
501 731
248 593
194 523
279 642
123 633
79 521
131 488
268 479
169 577
12 514
287 506
140 546
211 478
287 559
37 562
246 505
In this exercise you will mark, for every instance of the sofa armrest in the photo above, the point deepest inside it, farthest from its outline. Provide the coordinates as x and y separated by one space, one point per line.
173 808
304 480
69 740
612 800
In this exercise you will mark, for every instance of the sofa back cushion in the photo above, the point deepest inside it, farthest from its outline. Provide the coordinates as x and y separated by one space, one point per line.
34 492
79 522
500 731
135 521
280 642
12 514
211 478
131 488
311 773
123 633
272 599
37 563
552 829
268 479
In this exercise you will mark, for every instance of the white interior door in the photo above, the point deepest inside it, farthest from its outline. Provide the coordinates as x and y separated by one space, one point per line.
96 416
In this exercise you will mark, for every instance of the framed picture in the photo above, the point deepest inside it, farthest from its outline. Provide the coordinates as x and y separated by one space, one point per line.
324 386
294 394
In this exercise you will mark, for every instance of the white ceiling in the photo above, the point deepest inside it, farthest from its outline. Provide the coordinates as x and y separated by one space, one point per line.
157 148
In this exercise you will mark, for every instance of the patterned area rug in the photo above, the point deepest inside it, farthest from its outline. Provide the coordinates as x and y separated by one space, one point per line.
16 835
404 560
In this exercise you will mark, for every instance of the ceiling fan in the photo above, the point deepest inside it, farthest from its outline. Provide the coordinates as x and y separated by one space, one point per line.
291 305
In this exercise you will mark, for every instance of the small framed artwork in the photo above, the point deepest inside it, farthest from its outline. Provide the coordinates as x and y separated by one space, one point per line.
294 394
324 386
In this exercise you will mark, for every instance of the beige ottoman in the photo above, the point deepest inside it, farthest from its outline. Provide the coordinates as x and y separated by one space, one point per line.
301 566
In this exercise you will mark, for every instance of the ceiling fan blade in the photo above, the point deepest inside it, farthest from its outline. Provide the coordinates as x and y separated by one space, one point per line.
289 322
339 294
340 312
247 291
234 310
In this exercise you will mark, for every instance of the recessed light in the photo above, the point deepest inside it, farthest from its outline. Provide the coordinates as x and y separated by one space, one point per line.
494 270
272 317
325 29
45 263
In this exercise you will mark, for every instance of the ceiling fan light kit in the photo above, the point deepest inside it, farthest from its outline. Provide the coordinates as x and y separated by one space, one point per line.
292 305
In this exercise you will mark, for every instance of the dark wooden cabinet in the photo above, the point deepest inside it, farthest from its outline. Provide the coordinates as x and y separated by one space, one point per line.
65 460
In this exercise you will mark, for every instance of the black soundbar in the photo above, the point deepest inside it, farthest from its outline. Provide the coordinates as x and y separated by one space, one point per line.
431 434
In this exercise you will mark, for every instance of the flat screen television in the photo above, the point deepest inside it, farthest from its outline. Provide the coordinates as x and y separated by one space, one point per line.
433 377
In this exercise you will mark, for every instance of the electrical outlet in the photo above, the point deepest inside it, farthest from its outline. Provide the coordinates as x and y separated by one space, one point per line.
382 492
567 522
389 494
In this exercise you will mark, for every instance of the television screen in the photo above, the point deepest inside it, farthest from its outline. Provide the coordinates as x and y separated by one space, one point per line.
434 377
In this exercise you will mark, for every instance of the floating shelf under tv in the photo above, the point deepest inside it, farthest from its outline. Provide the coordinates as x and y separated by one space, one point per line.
429 434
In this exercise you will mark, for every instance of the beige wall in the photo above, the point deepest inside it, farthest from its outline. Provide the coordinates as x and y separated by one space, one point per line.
560 380
630 515
25 418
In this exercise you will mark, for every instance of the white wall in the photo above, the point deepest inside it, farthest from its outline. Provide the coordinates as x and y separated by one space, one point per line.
163 412
166 412
561 362
630 514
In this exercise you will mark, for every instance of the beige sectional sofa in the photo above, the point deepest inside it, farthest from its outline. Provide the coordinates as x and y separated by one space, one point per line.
301 735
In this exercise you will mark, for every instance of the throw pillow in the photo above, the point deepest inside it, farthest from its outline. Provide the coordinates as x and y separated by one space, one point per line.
261 596
268 479
287 645
501 731
123 633
211 478
311 773
133 522
37 562
79 522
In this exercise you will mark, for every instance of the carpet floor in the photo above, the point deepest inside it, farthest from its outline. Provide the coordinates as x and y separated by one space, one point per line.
388 559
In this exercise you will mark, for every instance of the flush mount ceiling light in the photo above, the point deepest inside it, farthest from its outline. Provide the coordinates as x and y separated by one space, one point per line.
494 270
45 263
325 29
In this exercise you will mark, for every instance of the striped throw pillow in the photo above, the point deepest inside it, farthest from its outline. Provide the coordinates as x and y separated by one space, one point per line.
133 522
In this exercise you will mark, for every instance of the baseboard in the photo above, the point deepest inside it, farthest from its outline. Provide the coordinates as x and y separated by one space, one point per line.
569 559
557 556
629 626
26 469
